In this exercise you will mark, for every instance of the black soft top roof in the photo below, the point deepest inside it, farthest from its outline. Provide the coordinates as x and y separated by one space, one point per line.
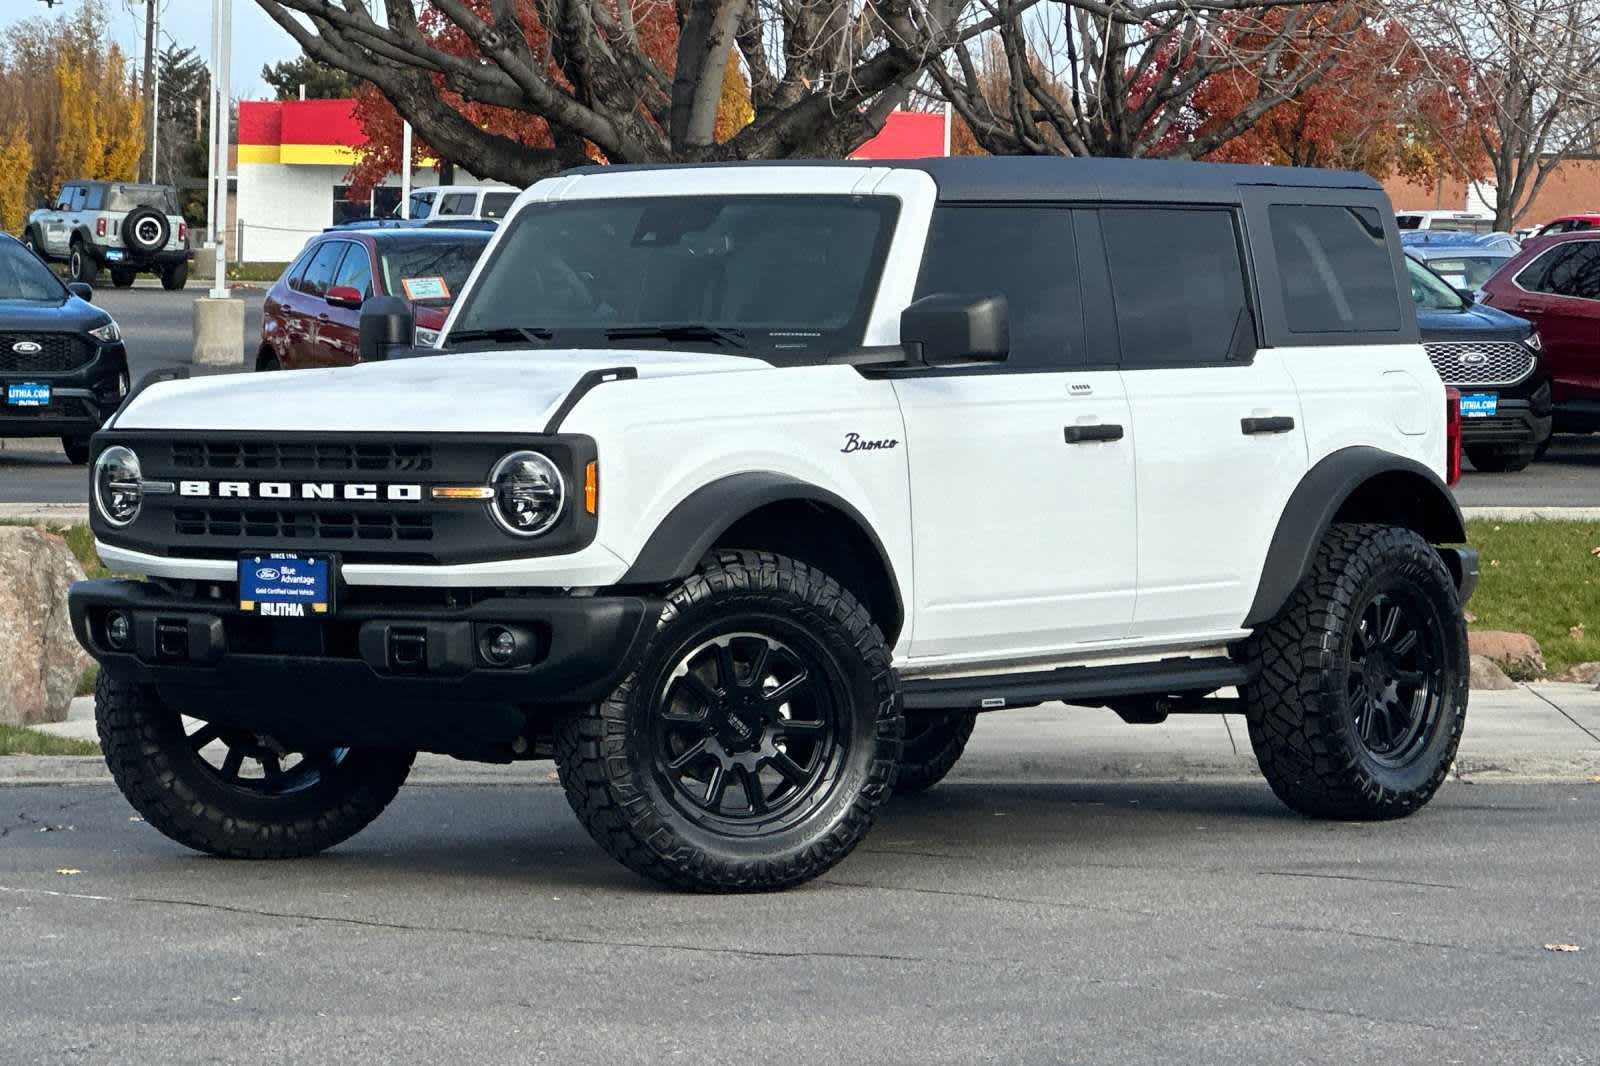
974 178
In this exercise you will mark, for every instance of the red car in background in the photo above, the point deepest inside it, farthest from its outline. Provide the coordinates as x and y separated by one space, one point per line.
1555 283
312 314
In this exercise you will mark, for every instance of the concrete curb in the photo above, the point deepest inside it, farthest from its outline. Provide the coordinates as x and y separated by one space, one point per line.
53 513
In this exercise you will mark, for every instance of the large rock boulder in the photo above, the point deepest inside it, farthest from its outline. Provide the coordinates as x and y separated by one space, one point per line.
40 660
1487 676
1580 673
1516 653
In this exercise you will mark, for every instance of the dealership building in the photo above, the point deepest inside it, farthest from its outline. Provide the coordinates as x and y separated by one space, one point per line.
294 157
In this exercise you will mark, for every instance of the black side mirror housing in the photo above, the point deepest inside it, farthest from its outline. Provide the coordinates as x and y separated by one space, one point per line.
949 329
82 290
1467 296
386 324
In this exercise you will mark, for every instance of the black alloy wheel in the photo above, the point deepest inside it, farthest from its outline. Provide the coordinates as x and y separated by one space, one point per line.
1395 679
746 732
259 764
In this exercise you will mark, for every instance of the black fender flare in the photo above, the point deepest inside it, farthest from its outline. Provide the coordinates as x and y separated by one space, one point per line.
1394 489
689 530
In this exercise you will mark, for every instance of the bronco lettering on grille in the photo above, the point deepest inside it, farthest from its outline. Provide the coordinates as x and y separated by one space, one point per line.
300 490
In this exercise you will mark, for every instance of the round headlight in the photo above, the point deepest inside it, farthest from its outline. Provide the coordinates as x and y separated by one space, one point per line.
528 493
117 491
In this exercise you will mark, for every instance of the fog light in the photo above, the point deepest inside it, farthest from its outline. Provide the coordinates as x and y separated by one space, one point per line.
119 631
499 646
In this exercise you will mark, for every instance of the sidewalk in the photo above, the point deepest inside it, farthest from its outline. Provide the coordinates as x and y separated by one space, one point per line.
1542 731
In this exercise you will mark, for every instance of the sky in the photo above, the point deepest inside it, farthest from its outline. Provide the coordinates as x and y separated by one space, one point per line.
257 40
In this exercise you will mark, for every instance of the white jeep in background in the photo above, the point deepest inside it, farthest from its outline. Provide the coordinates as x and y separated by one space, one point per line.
742 490
118 226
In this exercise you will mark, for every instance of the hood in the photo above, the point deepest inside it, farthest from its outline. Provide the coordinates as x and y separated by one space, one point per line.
471 392
71 315
1477 321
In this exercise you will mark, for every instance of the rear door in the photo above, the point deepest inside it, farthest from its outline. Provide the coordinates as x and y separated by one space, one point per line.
1217 428
1021 473
1560 293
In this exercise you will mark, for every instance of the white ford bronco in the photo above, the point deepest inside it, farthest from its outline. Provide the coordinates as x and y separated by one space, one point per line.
741 490
113 225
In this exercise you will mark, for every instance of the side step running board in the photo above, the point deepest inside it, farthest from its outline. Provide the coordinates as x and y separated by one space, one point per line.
1073 684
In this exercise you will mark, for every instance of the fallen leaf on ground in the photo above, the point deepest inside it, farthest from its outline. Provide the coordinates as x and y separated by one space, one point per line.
67 871
1562 947
1469 616
1576 632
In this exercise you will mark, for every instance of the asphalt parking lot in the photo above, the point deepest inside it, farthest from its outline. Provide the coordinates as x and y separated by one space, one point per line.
159 332
1007 923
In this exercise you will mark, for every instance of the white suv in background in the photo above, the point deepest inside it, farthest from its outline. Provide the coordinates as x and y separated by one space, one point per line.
444 203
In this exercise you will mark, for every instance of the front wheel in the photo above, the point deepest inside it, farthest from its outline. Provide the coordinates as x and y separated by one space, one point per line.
1502 458
81 265
77 449
123 277
174 277
753 745
1359 691
235 793
933 744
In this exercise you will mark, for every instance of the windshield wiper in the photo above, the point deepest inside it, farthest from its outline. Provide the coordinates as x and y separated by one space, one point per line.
502 334
681 331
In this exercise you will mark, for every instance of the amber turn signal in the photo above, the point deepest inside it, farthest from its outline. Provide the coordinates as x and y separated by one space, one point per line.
591 488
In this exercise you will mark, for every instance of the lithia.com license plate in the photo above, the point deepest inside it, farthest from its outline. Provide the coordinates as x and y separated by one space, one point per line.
286 585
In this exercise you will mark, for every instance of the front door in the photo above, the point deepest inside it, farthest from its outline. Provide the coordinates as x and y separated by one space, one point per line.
1216 425
338 332
1022 477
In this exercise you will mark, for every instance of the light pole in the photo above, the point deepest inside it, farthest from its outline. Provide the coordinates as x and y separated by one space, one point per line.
221 52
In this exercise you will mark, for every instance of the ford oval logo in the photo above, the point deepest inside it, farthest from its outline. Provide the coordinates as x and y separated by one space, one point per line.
1474 358
267 573
27 347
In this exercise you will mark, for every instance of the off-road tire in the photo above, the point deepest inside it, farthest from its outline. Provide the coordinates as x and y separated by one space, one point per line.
607 762
1501 458
1301 716
122 277
267 361
77 449
168 784
133 224
175 276
81 265
933 744
31 244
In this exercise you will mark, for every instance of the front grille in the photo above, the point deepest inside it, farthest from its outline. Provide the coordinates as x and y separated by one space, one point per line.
58 352
272 526
290 456
1481 362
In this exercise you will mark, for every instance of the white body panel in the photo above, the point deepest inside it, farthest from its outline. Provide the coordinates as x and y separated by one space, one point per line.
1375 395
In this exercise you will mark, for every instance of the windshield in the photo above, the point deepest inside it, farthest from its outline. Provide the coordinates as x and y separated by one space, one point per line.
421 204
128 197
429 272
1467 271
789 279
1429 292
23 277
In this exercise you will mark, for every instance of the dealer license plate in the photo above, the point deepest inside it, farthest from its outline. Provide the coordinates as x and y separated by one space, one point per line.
286 584
28 394
114 255
1479 405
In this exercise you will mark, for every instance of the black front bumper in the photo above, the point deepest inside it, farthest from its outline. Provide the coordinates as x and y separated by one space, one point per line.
80 400
1515 423
371 675
138 260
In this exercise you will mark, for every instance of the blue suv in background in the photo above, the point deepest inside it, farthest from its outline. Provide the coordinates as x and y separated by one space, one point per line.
1492 358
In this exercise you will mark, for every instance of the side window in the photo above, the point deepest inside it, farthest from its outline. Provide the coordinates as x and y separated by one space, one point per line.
1556 227
457 203
319 272
94 198
1334 269
1025 253
355 271
1177 281
496 204
71 197
1567 270
421 204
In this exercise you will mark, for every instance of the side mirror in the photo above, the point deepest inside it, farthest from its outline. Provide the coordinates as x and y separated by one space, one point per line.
386 324
82 290
946 329
344 296
1467 296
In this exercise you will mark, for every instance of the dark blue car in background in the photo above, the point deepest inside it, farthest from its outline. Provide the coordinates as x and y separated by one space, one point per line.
1493 359
63 368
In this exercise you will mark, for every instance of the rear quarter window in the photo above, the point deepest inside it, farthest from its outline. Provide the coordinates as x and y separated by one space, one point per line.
1334 269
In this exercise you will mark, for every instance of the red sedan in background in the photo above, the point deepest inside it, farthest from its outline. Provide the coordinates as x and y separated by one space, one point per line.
1555 283
312 314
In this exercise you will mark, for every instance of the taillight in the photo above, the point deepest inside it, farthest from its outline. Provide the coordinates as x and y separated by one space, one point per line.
1452 436
183 233
99 227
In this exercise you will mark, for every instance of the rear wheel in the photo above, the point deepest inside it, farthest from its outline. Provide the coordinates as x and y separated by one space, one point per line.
753 745
1501 458
174 276
235 793
77 449
933 744
1359 692
81 265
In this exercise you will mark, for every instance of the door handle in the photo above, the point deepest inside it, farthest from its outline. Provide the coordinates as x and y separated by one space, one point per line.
1275 424
1092 434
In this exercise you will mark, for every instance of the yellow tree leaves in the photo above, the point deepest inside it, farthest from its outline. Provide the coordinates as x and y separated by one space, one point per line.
66 92
16 163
